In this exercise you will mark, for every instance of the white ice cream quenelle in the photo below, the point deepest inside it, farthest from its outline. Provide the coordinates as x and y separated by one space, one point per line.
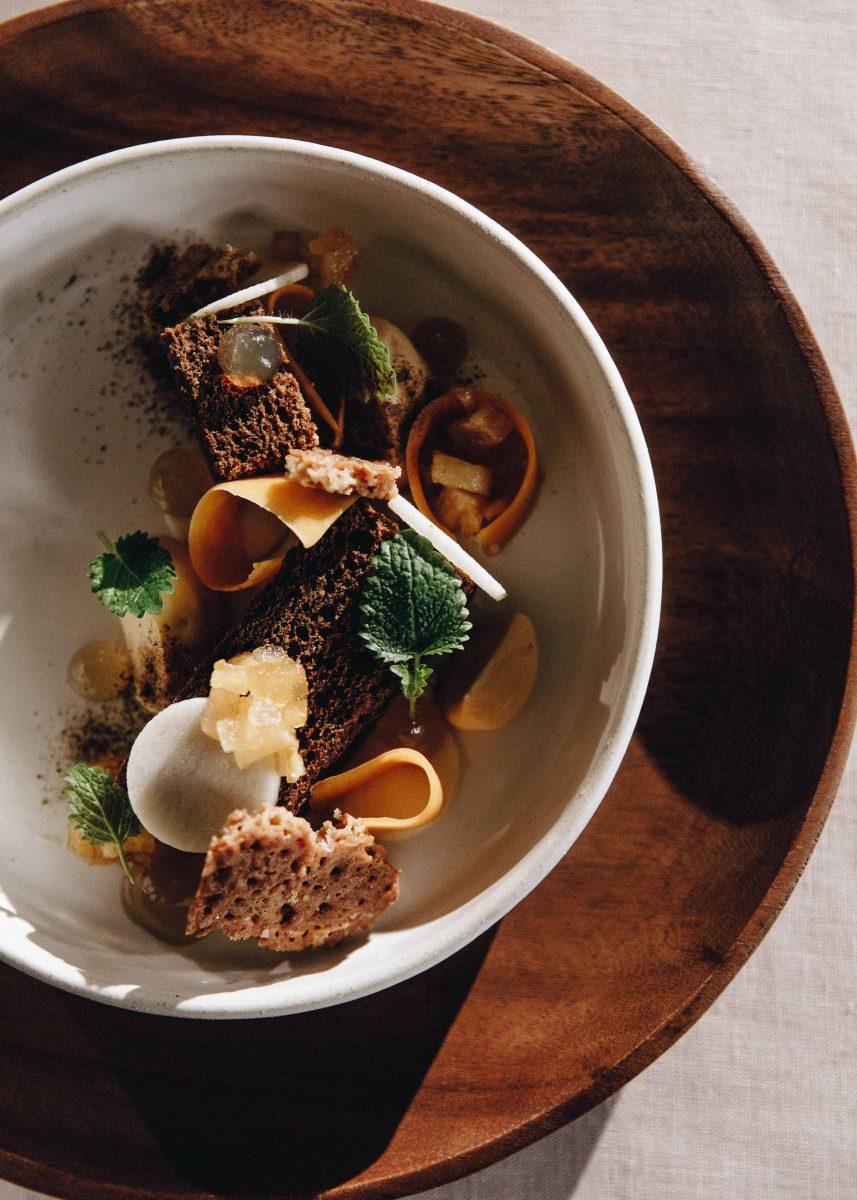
183 786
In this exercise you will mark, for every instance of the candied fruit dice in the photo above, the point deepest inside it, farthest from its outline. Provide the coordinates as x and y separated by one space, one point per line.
495 507
331 257
138 847
229 733
289 690
259 741
462 512
481 430
269 654
449 471
261 713
258 700
456 473
233 676
221 706
289 764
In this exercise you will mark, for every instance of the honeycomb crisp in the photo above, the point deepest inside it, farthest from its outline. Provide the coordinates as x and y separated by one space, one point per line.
243 431
343 475
268 875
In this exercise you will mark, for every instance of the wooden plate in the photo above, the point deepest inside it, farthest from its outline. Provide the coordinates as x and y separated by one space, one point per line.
751 706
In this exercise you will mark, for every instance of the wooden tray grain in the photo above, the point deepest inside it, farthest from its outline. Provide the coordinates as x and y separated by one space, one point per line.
735 762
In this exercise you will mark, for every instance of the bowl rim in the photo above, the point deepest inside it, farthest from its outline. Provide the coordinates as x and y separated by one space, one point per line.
485 909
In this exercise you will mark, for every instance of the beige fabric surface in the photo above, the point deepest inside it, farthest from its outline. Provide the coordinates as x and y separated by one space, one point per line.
759 1100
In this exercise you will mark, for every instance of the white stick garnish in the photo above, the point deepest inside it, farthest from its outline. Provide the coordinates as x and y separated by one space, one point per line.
447 546
293 274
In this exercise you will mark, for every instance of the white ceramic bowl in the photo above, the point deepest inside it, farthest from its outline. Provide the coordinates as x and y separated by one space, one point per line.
77 445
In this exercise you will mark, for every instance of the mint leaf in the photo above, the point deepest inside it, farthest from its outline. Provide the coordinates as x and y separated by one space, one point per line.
133 575
100 810
338 343
414 676
338 346
413 606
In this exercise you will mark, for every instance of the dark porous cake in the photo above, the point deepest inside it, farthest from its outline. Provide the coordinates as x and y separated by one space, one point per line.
379 428
311 610
243 431
175 285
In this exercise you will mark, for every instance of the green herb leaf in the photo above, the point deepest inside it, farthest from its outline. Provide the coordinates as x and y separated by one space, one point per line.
414 676
133 575
339 346
413 606
100 810
338 342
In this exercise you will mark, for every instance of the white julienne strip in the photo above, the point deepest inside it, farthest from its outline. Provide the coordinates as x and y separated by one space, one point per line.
292 274
447 546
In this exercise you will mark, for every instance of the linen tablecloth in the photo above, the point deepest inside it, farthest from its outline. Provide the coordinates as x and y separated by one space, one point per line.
759 1100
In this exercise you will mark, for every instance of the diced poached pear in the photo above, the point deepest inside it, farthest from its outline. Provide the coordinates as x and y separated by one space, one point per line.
257 701
232 676
331 256
449 471
483 429
220 707
462 512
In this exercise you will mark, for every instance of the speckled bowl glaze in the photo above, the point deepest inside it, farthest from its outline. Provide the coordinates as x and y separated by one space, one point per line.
81 430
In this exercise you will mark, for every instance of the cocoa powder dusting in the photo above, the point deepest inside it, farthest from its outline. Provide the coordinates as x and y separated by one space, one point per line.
102 736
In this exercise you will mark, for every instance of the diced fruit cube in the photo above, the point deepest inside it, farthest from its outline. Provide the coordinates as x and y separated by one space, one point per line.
281 680
481 430
289 764
456 473
460 511
221 706
494 507
256 703
331 257
233 676
260 732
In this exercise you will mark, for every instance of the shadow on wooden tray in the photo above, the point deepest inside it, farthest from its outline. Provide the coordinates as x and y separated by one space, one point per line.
742 706
550 1172
285 1106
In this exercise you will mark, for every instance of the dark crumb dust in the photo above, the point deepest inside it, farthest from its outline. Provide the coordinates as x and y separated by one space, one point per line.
147 390
101 735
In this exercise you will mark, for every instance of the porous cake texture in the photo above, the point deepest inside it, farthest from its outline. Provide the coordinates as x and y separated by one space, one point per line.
311 609
268 875
177 284
243 431
342 474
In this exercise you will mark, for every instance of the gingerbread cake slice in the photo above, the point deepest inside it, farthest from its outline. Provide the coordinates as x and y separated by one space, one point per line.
243 431
311 609
175 284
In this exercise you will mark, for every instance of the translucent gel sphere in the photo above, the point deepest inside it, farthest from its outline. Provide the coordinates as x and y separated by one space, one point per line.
249 355
99 671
